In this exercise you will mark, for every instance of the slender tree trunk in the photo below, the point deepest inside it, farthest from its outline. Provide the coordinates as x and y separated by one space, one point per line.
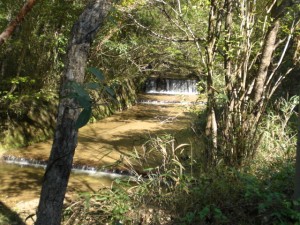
211 129
61 157
14 23
227 57
266 58
297 174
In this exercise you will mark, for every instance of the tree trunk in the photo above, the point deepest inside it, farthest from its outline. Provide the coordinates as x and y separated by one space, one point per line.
297 174
227 57
267 53
211 129
61 157
13 24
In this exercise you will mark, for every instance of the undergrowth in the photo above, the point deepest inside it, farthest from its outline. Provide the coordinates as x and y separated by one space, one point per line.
176 190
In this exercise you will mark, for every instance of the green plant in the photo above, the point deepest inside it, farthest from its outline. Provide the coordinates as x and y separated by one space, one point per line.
269 196
166 192
79 92
107 205
278 131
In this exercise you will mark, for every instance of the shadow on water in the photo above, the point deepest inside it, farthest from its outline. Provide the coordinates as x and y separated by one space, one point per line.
14 180
8 216
102 144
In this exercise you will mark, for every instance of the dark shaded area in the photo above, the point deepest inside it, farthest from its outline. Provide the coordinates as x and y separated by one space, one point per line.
14 181
31 120
8 216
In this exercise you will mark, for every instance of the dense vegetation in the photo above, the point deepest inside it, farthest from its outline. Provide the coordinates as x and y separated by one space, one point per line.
246 56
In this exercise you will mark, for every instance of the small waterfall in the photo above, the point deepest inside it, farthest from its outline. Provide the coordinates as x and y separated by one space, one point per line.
171 86
93 171
24 162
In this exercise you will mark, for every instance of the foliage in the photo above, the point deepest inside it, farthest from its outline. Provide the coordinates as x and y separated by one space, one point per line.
31 63
81 95
167 39
224 43
278 130
176 190
113 203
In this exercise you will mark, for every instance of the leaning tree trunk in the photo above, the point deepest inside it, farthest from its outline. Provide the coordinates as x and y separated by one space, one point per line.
61 157
268 50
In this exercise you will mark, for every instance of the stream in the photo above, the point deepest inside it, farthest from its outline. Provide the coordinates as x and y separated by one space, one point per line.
101 144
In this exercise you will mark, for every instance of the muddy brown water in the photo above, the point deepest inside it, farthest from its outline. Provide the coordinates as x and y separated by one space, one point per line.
20 188
99 144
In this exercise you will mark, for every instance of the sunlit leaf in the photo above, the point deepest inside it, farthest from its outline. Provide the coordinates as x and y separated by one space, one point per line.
181 146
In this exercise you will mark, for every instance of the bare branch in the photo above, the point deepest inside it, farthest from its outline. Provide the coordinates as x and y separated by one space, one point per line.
162 36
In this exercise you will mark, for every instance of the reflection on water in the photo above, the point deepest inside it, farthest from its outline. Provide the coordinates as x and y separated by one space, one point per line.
24 183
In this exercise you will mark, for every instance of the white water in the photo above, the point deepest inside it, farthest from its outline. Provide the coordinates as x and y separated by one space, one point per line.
92 171
171 86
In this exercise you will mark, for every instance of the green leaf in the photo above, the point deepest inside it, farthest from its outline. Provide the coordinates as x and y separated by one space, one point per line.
204 212
92 86
97 73
83 118
76 88
149 169
84 101
110 91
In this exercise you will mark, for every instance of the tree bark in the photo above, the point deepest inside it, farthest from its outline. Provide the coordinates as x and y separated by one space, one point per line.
13 24
297 173
269 48
227 57
65 141
267 53
211 129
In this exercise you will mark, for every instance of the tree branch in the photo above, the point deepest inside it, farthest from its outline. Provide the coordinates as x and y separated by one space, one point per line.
13 24
162 36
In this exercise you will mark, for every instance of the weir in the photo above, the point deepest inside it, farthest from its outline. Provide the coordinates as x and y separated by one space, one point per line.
171 86
81 169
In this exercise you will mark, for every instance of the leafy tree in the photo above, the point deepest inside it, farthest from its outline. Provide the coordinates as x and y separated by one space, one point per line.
31 63
244 49
254 50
